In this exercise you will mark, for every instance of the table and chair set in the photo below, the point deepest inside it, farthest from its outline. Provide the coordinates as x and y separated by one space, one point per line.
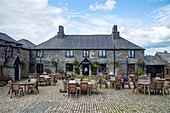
73 86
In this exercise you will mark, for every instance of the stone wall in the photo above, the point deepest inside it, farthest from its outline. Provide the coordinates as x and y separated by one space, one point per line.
78 55
2 58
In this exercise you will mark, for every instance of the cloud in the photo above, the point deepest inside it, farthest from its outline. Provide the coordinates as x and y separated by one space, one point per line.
109 5
31 19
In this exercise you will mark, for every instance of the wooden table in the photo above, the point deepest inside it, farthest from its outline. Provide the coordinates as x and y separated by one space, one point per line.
145 84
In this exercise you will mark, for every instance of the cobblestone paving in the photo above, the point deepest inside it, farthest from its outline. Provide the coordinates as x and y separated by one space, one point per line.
109 100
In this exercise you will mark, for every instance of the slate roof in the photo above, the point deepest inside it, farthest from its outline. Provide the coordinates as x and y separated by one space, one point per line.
10 61
27 44
87 42
165 56
152 60
5 37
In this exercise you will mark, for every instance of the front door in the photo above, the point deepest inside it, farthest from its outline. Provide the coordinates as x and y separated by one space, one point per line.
17 72
39 68
86 65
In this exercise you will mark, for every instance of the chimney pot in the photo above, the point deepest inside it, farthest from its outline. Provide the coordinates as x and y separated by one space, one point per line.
61 32
115 33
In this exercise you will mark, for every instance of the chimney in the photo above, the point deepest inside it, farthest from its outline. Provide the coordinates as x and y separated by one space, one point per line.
115 34
61 32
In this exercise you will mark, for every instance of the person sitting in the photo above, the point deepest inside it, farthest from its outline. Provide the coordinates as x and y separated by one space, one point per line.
72 78
66 75
72 74
105 81
124 79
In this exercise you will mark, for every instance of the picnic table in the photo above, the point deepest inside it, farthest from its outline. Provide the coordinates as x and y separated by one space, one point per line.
26 84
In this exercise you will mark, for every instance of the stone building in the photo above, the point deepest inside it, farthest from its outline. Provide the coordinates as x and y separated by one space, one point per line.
14 58
165 58
86 49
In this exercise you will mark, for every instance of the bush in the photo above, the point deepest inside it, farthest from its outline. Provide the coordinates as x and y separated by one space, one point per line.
80 77
95 67
75 62
140 72
76 69
53 61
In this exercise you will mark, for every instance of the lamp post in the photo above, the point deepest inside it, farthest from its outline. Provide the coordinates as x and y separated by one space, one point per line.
40 61
57 65
127 64
114 60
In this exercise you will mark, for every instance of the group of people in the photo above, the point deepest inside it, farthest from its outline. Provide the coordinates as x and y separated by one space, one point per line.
67 76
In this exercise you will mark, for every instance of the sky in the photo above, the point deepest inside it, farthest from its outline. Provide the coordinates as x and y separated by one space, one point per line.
143 22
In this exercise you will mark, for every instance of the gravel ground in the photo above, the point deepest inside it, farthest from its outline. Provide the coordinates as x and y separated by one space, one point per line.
108 100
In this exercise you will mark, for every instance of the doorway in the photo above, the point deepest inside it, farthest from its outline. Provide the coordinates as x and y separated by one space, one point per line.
17 72
38 68
86 65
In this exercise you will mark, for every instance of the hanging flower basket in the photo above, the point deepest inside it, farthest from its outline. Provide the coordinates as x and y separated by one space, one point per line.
141 63
32 61
53 62
75 62
116 63
96 62
23 63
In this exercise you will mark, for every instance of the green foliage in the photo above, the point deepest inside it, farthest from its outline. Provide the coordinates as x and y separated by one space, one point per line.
32 61
80 77
96 62
140 72
53 62
76 69
95 67
116 63
23 63
75 62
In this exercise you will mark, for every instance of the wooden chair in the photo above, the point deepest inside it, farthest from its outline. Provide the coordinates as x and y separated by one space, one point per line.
84 87
137 87
152 86
42 80
165 87
33 87
118 83
159 87
94 86
52 80
127 83
10 86
15 88
72 88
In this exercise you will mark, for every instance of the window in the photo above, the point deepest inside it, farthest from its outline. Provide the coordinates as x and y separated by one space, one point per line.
131 67
102 67
102 53
8 46
69 53
19 49
38 53
86 53
69 67
131 53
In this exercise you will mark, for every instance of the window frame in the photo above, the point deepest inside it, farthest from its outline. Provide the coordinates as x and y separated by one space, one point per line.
8 47
69 53
131 53
103 54
18 49
69 67
86 54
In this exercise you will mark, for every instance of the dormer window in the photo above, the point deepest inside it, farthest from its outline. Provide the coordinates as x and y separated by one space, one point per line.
86 53
102 53
8 46
38 53
18 49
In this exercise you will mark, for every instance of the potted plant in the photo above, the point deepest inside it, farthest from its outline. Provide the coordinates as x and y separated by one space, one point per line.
76 69
140 72
95 67
53 62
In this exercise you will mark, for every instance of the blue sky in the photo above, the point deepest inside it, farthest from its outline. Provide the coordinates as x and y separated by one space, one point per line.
143 22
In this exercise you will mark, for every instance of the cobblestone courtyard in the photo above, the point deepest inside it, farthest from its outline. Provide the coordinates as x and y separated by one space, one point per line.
109 100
